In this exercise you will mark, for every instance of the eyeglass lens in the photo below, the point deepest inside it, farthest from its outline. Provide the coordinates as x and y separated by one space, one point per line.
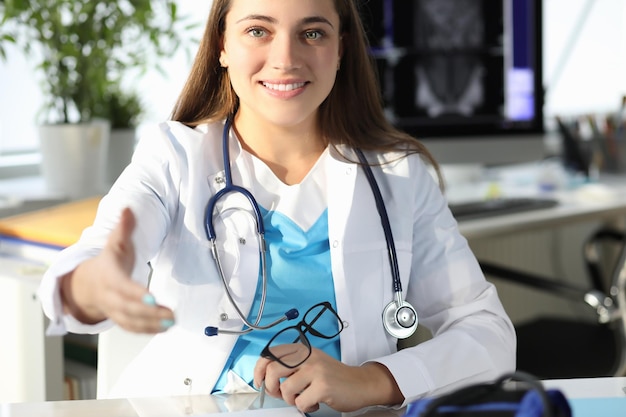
321 321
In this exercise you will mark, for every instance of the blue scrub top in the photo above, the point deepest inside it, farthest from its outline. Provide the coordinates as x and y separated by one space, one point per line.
298 265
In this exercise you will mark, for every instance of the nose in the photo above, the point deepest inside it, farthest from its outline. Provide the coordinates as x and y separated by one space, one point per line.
285 52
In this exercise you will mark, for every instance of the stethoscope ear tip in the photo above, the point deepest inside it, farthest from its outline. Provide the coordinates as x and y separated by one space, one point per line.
210 331
292 314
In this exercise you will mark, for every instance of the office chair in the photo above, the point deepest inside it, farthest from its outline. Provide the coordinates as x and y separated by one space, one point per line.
562 347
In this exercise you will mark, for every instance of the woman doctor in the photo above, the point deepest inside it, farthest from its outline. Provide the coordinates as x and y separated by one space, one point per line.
289 86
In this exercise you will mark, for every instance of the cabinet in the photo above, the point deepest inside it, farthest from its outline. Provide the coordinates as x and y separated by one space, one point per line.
31 363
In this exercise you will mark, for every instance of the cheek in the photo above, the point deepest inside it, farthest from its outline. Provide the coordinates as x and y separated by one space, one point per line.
326 68
243 66
327 62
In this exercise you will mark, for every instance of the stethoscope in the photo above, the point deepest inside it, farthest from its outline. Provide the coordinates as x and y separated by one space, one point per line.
399 317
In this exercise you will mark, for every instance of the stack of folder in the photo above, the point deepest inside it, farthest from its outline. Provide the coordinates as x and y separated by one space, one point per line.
57 226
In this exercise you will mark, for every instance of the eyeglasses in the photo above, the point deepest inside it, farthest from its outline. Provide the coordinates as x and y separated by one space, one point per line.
327 325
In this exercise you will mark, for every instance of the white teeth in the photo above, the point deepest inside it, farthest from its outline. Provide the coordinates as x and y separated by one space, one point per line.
283 87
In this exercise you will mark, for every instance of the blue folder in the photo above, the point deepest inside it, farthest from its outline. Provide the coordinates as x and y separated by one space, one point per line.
598 407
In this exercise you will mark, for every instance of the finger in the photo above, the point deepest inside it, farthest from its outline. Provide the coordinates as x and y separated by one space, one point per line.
291 353
142 318
260 368
259 371
298 384
302 393
274 374
126 224
135 309
306 408
272 379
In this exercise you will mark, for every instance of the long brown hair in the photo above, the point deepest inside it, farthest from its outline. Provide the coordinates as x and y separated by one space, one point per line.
352 114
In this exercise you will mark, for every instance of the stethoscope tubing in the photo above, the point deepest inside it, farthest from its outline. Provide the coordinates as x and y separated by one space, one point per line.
211 235
384 219
230 188
393 323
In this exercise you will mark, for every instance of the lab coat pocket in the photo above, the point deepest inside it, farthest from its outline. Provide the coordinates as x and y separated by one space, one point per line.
370 288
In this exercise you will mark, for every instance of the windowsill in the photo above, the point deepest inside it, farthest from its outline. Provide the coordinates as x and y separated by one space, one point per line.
22 194
22 188
20 165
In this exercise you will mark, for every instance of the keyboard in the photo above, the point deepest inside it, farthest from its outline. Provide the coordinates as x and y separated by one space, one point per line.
499 206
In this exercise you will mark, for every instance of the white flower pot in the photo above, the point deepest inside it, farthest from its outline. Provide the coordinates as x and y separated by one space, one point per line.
121 148
74 158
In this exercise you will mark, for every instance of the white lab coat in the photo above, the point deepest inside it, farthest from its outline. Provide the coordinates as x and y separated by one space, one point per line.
172 175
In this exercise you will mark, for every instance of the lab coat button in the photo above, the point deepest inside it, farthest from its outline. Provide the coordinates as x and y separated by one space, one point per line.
223 316
348 171
335 243
187 381
242 240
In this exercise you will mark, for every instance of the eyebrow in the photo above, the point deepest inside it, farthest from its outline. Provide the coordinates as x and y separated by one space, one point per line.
306 20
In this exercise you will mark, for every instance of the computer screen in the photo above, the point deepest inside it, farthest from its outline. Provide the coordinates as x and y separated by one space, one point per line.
452 69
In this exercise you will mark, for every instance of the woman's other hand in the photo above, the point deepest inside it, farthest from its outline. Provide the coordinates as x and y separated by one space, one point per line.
323 379
102 287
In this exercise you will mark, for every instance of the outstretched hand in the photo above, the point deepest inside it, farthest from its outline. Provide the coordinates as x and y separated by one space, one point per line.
102 287
323 379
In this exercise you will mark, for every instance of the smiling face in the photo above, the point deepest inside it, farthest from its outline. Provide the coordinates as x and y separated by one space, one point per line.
282 57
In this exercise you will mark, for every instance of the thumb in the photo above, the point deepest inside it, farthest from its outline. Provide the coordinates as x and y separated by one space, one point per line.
120 241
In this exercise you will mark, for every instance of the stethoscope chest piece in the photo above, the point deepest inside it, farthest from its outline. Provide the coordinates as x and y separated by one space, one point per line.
400 322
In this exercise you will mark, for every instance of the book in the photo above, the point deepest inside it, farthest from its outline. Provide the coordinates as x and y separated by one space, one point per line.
80 380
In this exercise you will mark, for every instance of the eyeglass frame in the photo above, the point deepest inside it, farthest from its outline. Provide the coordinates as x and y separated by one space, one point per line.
302 327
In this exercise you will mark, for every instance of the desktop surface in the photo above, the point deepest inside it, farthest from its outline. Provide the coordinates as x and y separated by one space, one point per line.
496 202
589 397
239 405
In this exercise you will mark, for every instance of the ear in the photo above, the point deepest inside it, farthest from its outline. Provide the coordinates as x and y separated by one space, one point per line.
340 52
223 59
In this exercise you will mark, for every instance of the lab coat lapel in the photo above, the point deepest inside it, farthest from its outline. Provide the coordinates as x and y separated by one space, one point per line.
341 184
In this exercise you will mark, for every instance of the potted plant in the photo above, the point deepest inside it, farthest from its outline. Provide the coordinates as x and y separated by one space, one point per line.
124 110
82 50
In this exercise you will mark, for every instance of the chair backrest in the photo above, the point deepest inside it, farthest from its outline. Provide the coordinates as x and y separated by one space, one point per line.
607 246
605 257
116 349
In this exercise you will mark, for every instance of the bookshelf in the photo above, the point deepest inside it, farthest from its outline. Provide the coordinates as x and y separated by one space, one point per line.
36 367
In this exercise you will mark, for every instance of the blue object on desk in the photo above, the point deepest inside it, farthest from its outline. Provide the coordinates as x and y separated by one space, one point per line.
496 398
598 407
499 206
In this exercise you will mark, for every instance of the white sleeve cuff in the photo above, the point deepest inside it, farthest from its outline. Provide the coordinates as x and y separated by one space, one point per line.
49 295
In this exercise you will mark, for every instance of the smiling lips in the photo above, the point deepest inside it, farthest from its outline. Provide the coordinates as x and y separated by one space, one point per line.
284 87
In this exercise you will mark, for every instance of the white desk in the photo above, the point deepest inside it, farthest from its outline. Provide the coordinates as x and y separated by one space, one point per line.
590 387
574 389
572 209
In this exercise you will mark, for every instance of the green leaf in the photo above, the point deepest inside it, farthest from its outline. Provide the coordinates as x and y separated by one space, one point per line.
82 49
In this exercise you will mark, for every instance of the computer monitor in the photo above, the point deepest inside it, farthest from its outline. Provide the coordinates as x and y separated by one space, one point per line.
463 76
